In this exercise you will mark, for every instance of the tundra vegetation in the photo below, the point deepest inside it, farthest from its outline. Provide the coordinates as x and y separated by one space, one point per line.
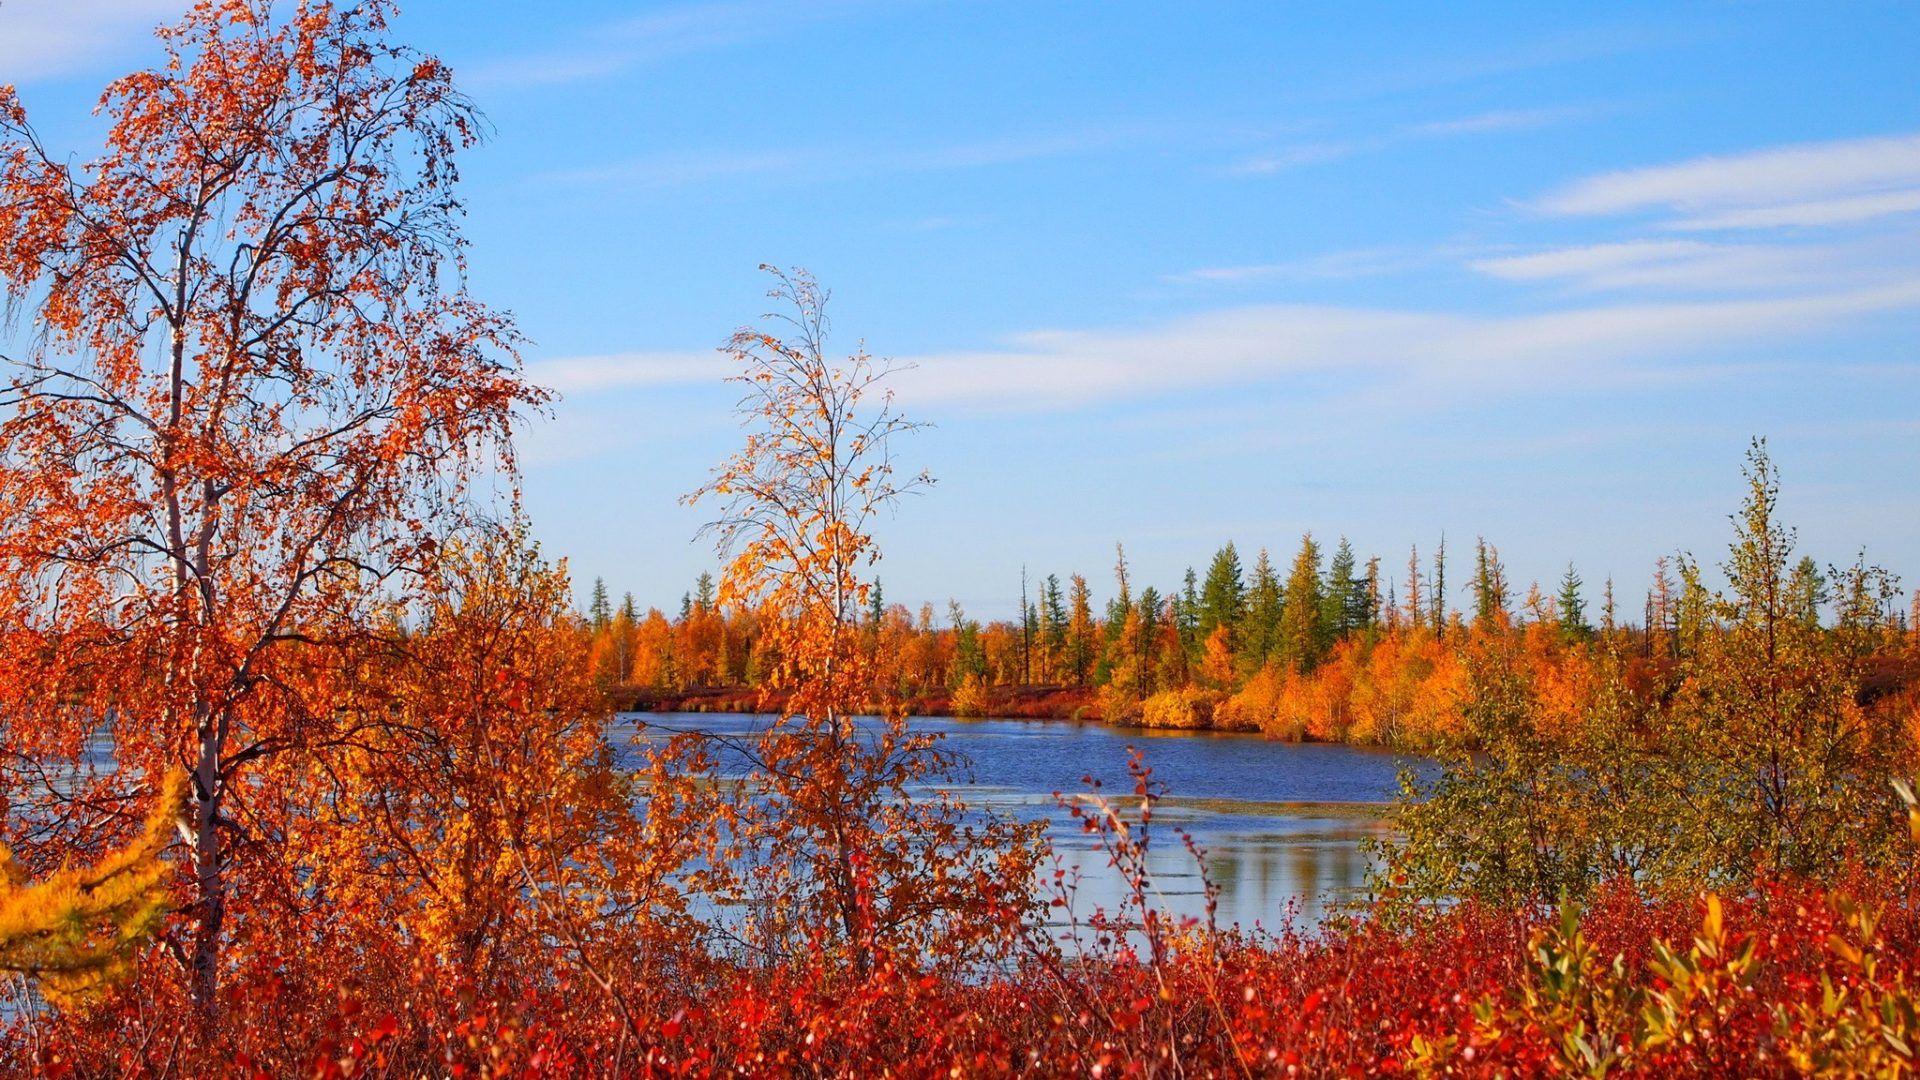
308 765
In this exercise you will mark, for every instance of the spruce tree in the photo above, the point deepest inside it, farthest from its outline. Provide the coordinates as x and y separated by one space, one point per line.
1150 615
1336 599
1366 612
969 655
1223 597
1026 632
1053 628
1489 584
599 609
1262 625
1186 616
1302 631
1415 614
1572 609
1082 647
1807 592
1122 601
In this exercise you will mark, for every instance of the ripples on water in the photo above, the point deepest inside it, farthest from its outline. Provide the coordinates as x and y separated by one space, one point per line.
1281 823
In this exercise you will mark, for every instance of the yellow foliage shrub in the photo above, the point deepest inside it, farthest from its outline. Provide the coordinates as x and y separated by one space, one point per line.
1254 706
1184 709
970 698
1118 706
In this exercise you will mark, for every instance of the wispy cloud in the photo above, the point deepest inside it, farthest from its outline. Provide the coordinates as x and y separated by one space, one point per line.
1427 69
815 164
1330 266
612 48
1370 350
1320 152
1697 266
44 38
1819 183
1819 212
1406 349
1499 120
1294 157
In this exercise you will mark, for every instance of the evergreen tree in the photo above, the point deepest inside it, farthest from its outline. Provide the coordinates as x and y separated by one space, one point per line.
703 592
1186 616
1302 629
1337 599
1437 603
876 605
1807 592
1489 585
1150 615
599 610
1082 644
1262 624
1415 617
1661 639
1366 613
969 655
1053 629
1122 601
1026 632
1223 597
628 609
1572 609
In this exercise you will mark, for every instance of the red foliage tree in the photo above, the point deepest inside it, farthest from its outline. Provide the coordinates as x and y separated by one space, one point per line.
257 384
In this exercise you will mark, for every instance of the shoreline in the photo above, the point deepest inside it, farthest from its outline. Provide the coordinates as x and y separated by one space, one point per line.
1001 702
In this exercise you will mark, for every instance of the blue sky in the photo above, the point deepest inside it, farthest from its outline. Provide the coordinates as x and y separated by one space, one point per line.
1173 274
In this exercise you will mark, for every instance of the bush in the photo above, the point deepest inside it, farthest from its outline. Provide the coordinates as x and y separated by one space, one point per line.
1185 709
969 698
1254 707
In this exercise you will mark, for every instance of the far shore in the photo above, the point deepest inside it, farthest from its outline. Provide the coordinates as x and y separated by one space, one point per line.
1003 702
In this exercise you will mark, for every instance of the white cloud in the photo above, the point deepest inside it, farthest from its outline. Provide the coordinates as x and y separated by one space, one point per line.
1421 352
1324 151
1248 345
1844 211
1293 157
1499 120
1331 266
684 168
1845 180
1694 266
43 38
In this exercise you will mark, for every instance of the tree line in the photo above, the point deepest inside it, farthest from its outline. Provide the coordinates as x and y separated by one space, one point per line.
1330 651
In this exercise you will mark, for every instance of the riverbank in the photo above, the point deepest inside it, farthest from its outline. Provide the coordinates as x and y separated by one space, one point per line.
1010 702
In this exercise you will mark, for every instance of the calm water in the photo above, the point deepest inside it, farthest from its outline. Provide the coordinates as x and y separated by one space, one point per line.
1280 823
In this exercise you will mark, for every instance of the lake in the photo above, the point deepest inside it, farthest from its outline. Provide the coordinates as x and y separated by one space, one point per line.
1281 823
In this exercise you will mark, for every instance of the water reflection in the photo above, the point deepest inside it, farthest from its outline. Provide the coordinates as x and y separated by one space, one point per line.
1280 824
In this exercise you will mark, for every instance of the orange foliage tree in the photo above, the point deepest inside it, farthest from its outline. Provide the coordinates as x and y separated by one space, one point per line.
842 854
257 387
489 821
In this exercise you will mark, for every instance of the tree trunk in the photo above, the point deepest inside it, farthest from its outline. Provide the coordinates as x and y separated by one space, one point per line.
209 865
